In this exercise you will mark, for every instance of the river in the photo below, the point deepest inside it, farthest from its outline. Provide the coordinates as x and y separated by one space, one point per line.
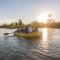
45 48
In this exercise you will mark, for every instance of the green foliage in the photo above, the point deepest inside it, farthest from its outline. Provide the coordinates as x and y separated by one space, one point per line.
13 25
35 24
19 24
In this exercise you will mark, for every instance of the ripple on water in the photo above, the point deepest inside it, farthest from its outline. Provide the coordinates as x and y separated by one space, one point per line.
12 48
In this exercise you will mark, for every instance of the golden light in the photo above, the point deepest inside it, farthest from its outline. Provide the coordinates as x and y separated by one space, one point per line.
43 17
45 38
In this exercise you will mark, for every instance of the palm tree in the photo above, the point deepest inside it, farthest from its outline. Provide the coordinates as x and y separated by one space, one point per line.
19 24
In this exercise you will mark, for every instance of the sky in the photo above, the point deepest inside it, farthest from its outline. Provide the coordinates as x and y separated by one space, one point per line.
27 10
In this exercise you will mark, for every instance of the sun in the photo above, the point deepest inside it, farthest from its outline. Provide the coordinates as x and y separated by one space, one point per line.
43 17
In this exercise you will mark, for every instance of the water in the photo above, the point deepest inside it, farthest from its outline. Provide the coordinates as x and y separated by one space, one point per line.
46 48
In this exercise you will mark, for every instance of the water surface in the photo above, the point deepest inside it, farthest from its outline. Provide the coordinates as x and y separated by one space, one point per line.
46 48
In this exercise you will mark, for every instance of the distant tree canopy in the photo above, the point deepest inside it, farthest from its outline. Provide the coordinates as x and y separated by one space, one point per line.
35 24
13 25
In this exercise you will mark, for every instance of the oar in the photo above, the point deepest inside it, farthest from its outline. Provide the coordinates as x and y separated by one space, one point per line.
8 33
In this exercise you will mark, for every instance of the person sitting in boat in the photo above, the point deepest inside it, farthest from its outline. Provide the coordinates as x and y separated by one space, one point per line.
26 29
30 29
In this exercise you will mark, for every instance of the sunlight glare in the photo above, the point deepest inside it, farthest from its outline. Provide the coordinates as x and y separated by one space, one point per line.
45 38
43 17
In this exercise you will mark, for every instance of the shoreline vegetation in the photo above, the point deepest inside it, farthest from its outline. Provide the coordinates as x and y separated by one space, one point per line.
30 30
35 23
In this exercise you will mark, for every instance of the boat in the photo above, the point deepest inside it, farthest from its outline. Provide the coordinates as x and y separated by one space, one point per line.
29 35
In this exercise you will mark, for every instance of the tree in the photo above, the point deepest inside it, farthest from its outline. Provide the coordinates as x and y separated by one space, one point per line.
20 23
35 25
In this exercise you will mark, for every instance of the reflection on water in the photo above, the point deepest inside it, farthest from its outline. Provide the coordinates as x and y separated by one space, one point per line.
45 38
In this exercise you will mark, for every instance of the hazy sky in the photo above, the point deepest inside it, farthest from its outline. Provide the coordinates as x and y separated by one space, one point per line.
27 10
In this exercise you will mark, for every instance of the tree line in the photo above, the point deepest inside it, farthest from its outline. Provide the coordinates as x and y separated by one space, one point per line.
20 24
34 24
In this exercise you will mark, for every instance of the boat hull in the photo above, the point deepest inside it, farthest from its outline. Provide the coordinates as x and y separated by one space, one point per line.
29 35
